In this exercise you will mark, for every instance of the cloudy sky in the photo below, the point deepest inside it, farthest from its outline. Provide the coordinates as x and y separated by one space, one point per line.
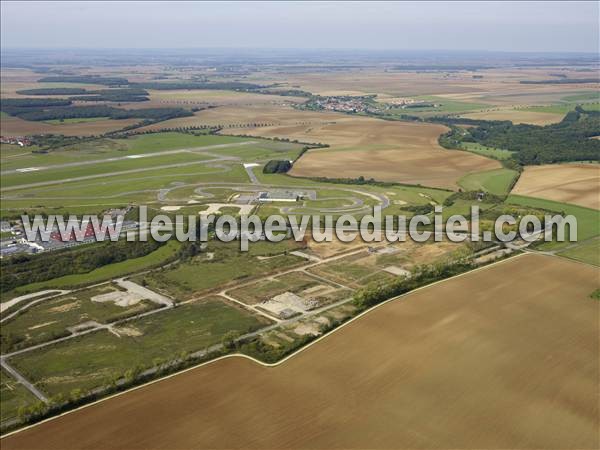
498 26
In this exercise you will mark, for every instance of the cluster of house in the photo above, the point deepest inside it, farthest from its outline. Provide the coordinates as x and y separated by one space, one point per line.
364 104
344 104
21 141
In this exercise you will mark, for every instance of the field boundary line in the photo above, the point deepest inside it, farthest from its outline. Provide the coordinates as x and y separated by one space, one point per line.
239 355
558 255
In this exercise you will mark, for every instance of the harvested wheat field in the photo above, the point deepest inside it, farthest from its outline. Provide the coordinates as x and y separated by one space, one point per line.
506 357
247 119
578 184
404 152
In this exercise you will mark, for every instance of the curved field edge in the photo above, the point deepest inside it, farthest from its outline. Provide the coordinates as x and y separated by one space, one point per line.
532 435
291 355
587 218
495 181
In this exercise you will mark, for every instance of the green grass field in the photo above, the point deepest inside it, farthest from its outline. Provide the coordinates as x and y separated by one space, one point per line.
587 219
589 96
108 189
104 168
94 196
75 120
228 264
588 252
564 108
104 273
103 148
446 106
295 282
95 359
13 396
353 271
497 181
50 319
489 152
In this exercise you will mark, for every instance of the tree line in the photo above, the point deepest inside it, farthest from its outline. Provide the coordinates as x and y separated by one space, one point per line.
277 166
568 140
56 109
21 270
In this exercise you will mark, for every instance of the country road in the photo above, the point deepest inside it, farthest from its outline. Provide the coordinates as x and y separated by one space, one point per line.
22 380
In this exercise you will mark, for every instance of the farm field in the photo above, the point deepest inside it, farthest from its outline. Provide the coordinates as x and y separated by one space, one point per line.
464 363
160 98
587 218
588 252
388 151
498 86
517 116
578 184
14 126
445 106
439 369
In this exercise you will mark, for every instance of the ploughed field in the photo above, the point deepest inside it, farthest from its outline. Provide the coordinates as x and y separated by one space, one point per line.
505 357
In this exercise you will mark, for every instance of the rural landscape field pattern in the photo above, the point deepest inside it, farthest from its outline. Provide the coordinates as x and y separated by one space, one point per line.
299 343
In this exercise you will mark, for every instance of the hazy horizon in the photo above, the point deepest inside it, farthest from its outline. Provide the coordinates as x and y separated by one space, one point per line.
510 27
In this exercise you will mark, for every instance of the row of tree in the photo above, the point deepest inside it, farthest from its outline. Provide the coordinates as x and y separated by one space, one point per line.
376 293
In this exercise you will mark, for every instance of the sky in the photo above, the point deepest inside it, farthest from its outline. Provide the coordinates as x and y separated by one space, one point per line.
493 26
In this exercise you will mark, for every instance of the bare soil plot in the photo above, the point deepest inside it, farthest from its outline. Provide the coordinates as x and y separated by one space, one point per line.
513 364
578 184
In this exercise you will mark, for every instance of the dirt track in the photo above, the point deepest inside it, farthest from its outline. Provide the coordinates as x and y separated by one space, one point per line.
506 357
